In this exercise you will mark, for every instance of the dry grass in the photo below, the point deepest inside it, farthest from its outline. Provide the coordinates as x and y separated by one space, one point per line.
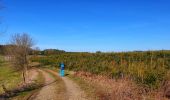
119 89
88 88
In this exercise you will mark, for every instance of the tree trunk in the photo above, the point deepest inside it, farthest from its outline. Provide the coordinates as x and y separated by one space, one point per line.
24 76
25 68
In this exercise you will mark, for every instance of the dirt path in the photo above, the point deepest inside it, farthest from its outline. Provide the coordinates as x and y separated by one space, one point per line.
53 90
32 75
73 90
48 91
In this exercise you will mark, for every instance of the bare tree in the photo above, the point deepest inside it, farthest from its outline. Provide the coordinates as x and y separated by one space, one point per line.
20 50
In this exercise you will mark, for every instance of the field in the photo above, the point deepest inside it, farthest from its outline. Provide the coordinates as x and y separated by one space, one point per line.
149 68
8 76
145 73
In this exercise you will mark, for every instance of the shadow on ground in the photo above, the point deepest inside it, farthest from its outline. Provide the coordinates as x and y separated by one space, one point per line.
25 88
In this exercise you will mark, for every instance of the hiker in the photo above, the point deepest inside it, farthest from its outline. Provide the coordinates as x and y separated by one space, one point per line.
62 69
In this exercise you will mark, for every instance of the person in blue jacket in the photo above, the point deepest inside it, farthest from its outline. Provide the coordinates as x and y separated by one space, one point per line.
62 69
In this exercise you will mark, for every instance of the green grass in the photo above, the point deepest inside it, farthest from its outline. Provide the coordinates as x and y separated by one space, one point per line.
1 59
9 77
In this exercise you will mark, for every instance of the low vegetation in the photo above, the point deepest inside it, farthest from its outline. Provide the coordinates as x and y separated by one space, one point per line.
103 88
8 77
148 68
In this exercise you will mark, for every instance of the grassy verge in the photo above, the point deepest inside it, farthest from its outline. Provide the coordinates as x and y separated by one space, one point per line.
89 89
9 77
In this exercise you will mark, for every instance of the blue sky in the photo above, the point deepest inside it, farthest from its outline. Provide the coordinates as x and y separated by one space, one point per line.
90 25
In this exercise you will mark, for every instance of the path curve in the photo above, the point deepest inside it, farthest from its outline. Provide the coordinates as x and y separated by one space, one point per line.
73 90
32 75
